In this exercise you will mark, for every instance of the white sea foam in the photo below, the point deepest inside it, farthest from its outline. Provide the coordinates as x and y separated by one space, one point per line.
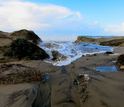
72 51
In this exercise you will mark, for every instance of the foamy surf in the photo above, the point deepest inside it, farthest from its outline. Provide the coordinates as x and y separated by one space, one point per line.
72 51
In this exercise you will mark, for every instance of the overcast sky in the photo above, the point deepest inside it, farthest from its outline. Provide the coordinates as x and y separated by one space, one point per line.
63 19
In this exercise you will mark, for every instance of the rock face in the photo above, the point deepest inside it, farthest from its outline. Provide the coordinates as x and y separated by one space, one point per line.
26 34
114 42
21 48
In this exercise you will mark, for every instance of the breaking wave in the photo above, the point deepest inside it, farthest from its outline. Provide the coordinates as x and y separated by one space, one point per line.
72 51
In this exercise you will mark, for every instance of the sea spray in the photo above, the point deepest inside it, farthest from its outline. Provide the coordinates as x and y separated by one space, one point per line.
72 51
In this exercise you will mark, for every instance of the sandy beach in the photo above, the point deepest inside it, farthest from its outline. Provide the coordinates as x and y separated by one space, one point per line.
102 90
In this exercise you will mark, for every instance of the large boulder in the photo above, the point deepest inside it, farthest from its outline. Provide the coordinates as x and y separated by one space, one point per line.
85 39
26 34
120 62
21 48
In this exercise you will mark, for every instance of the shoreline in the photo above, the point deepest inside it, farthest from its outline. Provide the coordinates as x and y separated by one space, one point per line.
103 89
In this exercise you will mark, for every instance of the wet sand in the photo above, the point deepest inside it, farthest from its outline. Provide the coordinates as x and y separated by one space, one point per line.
102 90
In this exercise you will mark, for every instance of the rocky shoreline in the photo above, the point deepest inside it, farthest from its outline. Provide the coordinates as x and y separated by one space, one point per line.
34 83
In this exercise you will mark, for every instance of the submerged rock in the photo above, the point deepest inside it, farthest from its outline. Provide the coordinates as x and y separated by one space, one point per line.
108 53
58 56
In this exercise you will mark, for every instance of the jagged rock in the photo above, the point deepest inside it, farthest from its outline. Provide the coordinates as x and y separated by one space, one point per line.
26 34
58 56
51 45
108 53
22 48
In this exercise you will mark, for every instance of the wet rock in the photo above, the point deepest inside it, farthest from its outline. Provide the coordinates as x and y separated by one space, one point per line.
108 53
51 45
81 79
122 67
120 62
45 77
21 48
58 56
82 82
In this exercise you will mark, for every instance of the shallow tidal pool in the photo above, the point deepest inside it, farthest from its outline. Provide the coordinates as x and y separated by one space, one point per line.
112 68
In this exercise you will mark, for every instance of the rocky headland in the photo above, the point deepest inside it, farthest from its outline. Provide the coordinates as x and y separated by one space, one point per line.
111 41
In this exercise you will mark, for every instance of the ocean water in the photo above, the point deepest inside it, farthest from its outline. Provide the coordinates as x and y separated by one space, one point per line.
72 51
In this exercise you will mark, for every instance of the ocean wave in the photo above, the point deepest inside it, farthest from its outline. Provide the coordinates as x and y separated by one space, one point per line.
72 51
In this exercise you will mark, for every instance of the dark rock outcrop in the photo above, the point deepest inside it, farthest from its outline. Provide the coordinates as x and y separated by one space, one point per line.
21 48
26 34
58 56
109 53
120 62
